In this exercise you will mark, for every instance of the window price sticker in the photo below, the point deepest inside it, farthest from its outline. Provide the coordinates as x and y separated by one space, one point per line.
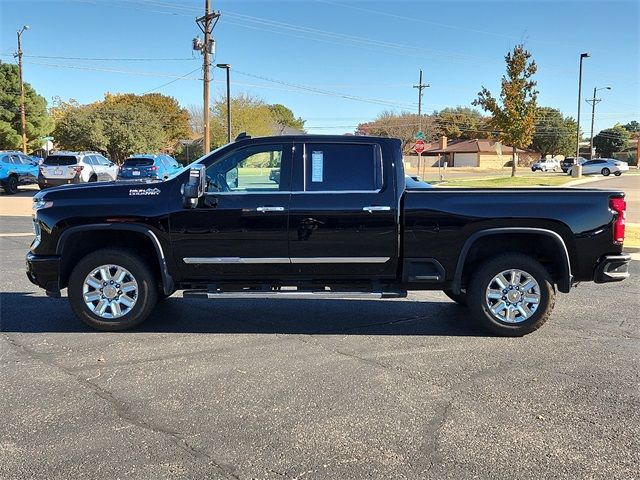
317 166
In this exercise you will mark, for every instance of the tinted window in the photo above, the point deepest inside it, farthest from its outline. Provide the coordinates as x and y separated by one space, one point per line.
61 160
138 162
6 159
342 167
100 160
247 170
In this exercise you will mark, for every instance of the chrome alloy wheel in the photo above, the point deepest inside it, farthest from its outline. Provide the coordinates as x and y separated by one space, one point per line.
513 296
110 291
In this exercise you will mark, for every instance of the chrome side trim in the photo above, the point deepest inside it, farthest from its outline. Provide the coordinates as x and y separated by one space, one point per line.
233 260
340 259
282 260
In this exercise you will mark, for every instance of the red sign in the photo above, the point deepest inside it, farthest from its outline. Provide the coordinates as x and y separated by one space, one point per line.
419 148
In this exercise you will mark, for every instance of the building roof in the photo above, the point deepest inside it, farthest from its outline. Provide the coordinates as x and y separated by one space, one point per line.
474 145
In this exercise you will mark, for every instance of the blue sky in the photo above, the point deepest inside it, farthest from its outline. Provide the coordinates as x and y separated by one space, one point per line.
353 59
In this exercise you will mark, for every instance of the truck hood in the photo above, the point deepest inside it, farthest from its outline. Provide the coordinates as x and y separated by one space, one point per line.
118 189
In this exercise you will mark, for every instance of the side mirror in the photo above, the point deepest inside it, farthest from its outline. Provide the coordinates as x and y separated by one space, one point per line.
195 187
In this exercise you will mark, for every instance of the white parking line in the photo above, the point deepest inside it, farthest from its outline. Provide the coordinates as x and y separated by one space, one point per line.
30 234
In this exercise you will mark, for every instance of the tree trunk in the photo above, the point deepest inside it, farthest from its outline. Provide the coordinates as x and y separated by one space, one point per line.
513 162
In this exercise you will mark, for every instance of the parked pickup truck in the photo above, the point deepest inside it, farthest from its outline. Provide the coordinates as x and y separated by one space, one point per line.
339 222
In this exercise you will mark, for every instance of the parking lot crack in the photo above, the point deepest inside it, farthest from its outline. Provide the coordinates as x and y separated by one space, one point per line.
120 408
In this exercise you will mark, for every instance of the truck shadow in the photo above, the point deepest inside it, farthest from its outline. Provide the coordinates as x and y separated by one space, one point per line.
23 312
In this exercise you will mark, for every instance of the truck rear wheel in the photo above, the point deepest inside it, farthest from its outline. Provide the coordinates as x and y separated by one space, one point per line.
511 295
112 289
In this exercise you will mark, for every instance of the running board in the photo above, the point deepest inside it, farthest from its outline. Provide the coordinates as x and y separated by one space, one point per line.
293 294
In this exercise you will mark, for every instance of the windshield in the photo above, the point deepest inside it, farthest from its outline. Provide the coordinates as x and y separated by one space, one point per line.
61 160
182 170
138 162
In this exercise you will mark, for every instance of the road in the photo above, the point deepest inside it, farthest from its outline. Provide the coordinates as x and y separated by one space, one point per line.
630 183
316 389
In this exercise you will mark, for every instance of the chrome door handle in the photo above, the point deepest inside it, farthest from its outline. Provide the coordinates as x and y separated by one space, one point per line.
373 208
270 209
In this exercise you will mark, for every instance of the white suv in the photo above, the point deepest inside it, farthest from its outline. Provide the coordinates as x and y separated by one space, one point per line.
546 165
62 168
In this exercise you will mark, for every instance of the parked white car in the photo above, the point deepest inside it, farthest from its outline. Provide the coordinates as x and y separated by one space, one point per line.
603 166
546 165
63 168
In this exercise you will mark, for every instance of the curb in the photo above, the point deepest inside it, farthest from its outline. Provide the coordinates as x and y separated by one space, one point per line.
582 181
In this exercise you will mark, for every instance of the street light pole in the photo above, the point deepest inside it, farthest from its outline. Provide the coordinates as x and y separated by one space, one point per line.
227 67
23 116
593 102
582 57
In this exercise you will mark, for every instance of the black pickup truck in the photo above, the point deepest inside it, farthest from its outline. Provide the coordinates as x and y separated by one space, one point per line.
339 221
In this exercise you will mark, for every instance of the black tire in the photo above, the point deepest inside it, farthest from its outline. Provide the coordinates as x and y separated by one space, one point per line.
11 185
617 174
42 186
482 280
606 172
147 292
93 178
459 298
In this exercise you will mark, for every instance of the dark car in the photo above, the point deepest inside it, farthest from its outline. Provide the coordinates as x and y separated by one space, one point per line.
145 166
569 162
274 175
339 223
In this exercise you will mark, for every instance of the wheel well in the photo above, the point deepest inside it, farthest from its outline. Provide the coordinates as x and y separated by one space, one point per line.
80 244
543 248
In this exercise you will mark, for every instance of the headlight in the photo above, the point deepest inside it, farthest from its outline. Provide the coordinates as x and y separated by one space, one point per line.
39 204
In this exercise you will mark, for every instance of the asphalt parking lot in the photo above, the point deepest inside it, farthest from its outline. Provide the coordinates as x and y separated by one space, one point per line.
316 389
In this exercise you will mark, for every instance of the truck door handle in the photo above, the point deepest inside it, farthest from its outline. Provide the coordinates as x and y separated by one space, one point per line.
375 208
270 209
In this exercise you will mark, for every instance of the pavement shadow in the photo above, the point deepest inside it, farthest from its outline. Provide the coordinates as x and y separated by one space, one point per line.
27 313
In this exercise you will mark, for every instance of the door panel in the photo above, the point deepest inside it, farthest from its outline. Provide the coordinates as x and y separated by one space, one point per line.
239 230
343 214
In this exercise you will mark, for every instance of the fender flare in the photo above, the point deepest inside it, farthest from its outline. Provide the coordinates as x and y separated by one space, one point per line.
168 284
565 278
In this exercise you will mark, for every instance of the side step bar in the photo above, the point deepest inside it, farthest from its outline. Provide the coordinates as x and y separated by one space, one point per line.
291 294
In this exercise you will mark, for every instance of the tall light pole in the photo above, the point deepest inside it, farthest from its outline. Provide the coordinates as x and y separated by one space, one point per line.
227 67
23 116
593 102
582 57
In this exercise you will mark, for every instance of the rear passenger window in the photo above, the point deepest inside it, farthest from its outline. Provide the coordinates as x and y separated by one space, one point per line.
340 167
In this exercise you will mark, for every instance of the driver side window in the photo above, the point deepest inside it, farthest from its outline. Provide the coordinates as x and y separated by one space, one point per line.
252 169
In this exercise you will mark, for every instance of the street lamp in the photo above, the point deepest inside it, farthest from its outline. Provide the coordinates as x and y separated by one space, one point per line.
227 67
593 102
23 117
582 57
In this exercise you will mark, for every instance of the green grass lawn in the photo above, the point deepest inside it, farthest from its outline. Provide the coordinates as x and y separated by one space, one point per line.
631 236
537 181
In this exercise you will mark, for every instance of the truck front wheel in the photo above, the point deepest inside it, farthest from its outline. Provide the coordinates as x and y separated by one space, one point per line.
511 295
112 289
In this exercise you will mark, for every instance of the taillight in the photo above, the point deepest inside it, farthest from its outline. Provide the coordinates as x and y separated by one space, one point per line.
78 168
619 206
153 168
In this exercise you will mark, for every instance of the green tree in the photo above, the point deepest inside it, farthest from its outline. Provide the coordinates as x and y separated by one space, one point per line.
284 117
514 115
460 123
554 133
79 127
248 114
130 129
611 140
173 118
632 127
38 122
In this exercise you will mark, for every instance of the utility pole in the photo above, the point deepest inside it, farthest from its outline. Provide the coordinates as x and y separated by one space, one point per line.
206 23
23 116
593 103
421 86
